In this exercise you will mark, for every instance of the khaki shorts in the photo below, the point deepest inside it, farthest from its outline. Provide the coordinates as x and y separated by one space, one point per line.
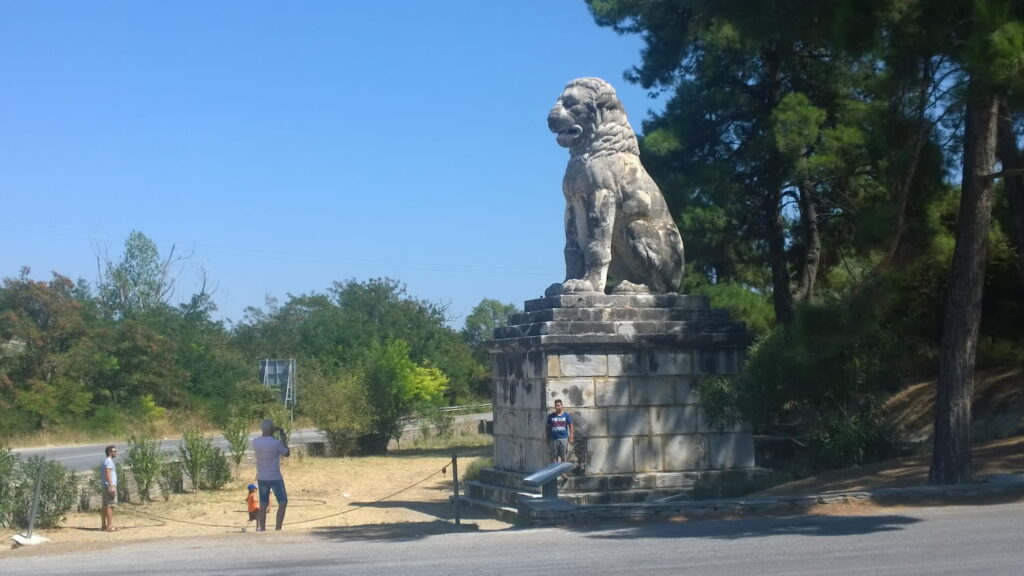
108 498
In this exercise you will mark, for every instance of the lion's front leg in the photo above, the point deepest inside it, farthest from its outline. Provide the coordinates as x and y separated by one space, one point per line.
595 237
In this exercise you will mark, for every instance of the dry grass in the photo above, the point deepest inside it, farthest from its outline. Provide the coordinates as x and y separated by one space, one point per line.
408 488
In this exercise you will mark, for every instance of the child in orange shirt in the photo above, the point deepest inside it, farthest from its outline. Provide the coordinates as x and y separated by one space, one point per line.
253 504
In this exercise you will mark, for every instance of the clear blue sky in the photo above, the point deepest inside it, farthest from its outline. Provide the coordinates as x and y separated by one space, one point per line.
289 145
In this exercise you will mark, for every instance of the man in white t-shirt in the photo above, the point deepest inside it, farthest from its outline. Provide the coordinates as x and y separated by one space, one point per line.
108 474
268 451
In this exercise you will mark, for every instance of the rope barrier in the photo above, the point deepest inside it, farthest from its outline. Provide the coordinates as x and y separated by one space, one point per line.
156 517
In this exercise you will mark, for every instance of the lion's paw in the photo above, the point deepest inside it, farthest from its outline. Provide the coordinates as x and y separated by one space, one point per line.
627 287
577 286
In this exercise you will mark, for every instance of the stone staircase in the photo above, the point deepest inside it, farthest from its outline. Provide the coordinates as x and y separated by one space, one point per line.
501 492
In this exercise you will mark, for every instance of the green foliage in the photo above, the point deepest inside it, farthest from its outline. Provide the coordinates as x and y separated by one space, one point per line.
217 471
139 282
195 452
145 459
820 378
8 486
753 308
57 496
472 472
236 433
481 323
395 387
336 403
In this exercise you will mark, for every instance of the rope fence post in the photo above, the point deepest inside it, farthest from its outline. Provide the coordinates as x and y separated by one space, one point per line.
35 499
455 487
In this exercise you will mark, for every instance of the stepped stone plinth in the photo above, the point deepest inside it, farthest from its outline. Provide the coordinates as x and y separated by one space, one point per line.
626 368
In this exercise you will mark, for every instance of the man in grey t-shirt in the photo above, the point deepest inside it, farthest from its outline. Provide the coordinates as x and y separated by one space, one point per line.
268 451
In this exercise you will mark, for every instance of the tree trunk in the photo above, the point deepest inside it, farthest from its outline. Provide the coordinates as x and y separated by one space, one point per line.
812 243
951 453
775 231
901 186
1010 157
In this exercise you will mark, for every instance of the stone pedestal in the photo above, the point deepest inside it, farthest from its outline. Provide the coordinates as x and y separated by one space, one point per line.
626 368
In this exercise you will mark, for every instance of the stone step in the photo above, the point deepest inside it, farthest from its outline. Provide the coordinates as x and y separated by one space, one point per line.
503 513
616 497
618 301
497 494
504 478
619 328
620 314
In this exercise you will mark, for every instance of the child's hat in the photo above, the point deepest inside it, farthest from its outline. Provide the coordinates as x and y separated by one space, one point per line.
251 487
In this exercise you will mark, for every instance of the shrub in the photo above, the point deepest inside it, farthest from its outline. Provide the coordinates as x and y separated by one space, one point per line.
195 452
58 493
236 433
472 471
145 459
8 485
171 479
217 471
819 378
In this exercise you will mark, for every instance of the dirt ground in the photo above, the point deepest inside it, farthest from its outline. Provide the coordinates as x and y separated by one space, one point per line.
405 492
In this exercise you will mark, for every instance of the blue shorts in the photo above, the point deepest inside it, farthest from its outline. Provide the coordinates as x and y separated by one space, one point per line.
265 486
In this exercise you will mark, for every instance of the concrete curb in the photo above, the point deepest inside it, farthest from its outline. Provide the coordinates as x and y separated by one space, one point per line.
1004 486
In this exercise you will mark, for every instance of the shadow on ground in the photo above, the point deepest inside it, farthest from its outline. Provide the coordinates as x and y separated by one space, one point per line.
400 532
814 525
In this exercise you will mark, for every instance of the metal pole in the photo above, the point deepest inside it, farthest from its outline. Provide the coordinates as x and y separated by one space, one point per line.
455 480
35 498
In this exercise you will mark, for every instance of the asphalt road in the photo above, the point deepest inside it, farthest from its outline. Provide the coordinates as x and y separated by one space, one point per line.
933 541
84 457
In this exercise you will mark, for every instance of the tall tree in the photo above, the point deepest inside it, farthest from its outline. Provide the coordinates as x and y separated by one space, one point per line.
987 40
481 322
140 281
759 95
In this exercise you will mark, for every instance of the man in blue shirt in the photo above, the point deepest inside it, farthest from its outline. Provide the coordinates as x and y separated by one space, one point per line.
560 433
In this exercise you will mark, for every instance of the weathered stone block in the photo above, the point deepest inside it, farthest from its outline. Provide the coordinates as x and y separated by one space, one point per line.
609 455
705 362
646 391
536 455
590 422
624 364
733 450
668 363
647 454
611 392
504 422
573 392
628 422
684 419
686 391
583 364
686 452
552 366
529 423
679 480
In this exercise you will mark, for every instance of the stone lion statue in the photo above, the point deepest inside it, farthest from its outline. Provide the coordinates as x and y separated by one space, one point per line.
617 224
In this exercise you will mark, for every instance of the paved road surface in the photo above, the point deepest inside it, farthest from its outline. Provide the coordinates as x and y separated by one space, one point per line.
88 456
932 541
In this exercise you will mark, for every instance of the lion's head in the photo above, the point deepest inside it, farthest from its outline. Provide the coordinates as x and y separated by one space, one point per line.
589 119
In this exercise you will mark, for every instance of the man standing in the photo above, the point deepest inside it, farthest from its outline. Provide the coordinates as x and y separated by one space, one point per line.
560 433
268 451
109 476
